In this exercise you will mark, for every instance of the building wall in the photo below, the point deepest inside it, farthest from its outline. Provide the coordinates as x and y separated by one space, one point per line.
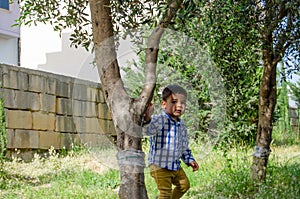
76 62
46 110
9 51
9 35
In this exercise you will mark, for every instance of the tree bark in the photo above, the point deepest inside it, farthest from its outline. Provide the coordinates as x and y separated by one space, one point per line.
267 102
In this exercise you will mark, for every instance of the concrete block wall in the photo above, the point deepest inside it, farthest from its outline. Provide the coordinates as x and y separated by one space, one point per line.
46 110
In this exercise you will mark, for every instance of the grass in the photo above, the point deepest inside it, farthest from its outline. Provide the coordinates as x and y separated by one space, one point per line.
76 175
87 174
227 175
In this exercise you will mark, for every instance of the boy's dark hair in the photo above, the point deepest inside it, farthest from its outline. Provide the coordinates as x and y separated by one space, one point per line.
173 89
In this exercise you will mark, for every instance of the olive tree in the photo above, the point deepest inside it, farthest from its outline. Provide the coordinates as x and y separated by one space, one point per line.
238 30
107 18
278 24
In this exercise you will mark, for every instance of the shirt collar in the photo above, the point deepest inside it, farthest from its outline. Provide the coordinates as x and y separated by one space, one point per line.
169 117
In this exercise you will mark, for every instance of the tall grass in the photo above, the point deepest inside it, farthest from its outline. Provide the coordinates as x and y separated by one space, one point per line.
285 137
222 174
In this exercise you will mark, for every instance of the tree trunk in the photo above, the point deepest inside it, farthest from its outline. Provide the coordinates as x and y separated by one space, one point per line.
130 155
276 38
267 102
126 112
131 161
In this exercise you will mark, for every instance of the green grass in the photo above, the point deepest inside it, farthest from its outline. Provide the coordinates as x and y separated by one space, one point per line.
222 174
77 175
227 175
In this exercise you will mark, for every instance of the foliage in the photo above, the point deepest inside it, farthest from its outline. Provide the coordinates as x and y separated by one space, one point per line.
281 116
3 139
62 15
232 46
227 29
74 16
234 33
286 34
184 62
222 174
285 138
283 128
233 43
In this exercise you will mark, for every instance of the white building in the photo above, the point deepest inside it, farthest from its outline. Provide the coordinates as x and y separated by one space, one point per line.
79 63
71 61
9 35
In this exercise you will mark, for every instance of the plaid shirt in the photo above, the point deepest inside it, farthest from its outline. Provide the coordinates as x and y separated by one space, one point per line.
168 142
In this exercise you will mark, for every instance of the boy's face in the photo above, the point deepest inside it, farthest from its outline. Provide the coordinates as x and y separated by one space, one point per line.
175 105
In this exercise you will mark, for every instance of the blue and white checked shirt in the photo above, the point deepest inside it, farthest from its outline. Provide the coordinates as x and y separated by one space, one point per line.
168 142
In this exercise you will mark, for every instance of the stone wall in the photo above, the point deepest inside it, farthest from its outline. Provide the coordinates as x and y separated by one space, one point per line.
46 110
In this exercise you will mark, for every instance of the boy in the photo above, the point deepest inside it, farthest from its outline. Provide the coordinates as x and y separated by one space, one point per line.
169 144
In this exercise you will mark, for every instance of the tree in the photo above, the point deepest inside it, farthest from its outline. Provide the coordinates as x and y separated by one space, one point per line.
106 18
278 24
272 29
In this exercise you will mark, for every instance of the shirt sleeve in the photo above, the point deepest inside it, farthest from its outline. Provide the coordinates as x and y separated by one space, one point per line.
187 156
155 125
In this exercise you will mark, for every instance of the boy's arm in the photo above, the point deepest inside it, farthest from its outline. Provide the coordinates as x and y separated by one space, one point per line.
148 114
151 123
189 160
187 156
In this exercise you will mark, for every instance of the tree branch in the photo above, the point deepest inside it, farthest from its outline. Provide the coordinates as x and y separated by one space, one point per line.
152 53
104 44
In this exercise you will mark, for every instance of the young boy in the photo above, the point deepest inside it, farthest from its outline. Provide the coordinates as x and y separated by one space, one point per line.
169 144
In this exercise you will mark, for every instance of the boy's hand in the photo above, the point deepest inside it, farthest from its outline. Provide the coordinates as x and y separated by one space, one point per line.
149 112
194 165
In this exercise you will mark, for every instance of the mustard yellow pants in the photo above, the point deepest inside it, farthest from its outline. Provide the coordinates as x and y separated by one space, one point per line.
165 178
